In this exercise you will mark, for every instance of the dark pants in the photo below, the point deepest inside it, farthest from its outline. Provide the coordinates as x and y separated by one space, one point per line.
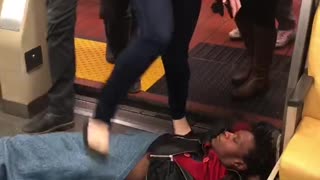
285 16
256 15
119 24
261 13
61 26
165 28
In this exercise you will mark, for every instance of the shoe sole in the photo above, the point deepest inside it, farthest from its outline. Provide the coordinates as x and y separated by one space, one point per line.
134 92
61 127
257 94
111 61
238 83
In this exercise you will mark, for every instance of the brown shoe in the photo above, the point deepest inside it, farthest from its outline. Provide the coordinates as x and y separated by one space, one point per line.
241 75
254 86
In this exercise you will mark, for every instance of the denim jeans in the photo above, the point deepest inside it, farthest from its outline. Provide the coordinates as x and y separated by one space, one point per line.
63 156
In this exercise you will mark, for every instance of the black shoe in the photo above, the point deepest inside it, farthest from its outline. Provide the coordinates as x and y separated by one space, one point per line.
49 123
136 87
109 56
190 134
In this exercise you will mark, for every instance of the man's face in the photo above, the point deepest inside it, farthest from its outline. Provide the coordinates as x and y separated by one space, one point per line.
233 147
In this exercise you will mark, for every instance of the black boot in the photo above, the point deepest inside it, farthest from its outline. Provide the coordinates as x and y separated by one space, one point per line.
246 29
109 56
49 123
258 82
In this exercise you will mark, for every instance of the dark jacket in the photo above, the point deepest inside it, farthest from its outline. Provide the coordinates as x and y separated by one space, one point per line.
162 151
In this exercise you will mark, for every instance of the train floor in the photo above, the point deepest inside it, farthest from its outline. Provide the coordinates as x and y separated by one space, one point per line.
127 118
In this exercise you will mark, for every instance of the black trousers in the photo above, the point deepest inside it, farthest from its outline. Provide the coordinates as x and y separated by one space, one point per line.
119 24
261 13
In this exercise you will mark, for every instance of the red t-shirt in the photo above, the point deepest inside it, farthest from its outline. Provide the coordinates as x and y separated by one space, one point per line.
209 169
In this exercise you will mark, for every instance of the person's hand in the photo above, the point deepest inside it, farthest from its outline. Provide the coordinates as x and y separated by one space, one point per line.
235 6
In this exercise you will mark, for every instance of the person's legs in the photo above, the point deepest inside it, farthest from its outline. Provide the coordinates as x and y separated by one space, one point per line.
286 24
119 27
117 20
3 167
264 37
175 61
246 28
63 156
61 26
286 21
284 15
155 24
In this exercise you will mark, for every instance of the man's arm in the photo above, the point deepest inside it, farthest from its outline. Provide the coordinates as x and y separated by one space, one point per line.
141 170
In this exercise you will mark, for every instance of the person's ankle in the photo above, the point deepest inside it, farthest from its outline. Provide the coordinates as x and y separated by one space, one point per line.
181 126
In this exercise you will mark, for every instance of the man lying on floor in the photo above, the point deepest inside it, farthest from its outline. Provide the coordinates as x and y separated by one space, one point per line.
211 156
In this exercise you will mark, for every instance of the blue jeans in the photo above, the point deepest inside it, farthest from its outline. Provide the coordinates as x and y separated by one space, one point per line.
63 156
165 29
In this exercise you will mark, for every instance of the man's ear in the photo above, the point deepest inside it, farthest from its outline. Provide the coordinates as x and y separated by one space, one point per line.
239 165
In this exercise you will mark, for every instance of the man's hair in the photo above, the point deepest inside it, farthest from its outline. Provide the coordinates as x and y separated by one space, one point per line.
261 160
